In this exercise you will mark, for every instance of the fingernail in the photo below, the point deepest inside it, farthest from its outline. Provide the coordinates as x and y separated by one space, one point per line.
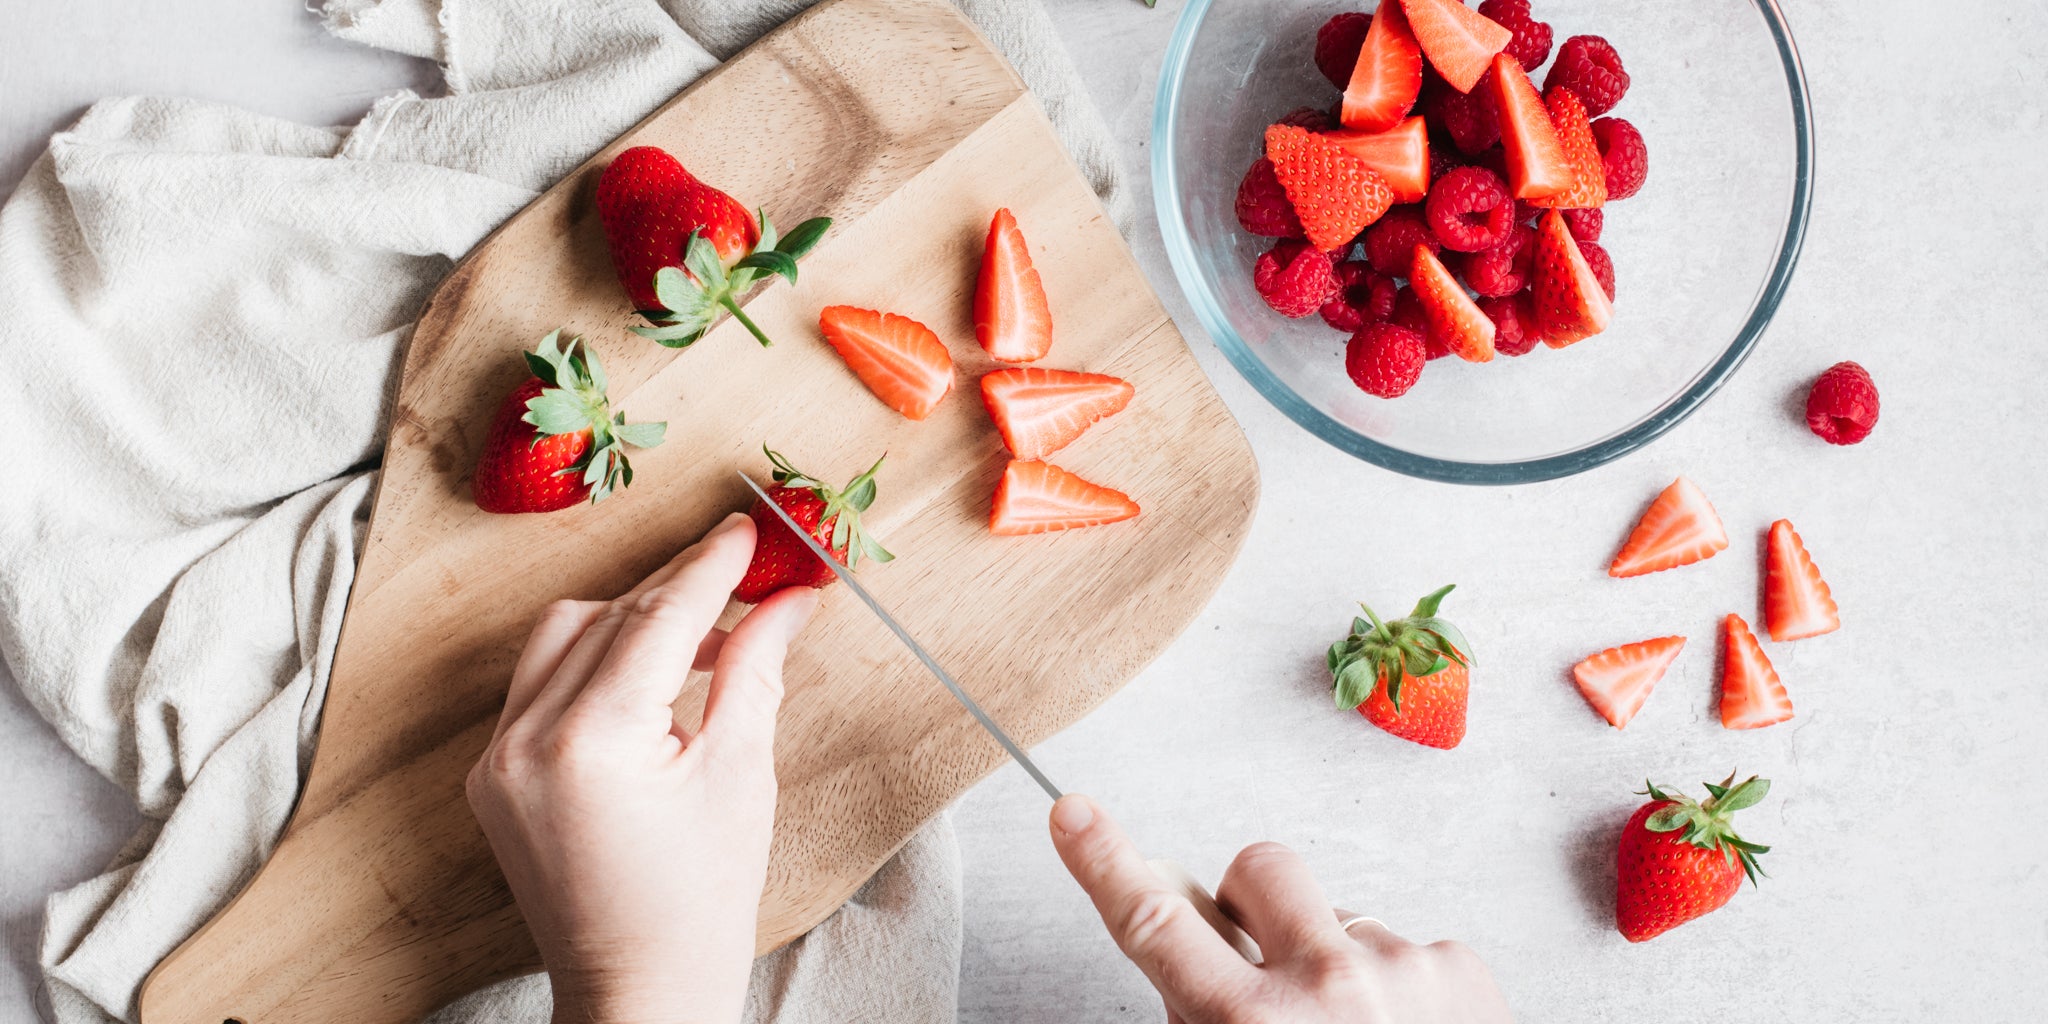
1073 814
728 523
806 605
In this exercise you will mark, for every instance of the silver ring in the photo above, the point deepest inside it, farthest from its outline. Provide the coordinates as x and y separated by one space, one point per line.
1345 925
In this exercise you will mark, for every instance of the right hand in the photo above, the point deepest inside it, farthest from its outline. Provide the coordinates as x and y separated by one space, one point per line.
1315 971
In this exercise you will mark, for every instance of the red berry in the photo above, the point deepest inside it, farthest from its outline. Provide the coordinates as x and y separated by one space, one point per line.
1627 159
1310 118
1390 243
1585 225
1294 278
1506 268
1262 206
1842 407
1408 313
1469 210
1471 119
1531 45
1364 296
1588 65
1385 359
1337 46
1514 322
1602 264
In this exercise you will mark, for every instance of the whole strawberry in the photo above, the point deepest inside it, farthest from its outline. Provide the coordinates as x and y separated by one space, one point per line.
555 440
832 517
1681 858
1408 676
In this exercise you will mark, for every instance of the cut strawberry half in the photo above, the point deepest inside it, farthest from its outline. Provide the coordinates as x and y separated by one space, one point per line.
899 359
1400 156
1012 320
1450 312
1039 412
1334 193
1537 166
1581 152
1679 528
1387 77
1751 694
1618 680
1797 602
1571 301
1037 497
1458 40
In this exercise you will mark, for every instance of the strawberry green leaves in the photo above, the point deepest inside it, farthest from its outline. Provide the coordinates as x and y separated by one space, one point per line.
693 295
574 401
1706 824
843 508
1422 644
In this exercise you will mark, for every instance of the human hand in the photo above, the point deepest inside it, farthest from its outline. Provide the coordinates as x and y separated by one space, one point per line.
635 850
1315 971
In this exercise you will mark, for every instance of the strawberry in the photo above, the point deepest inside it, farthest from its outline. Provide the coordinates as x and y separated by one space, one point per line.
1399 155
1618 680
1387 76
1334 193
1751 694
1449 311
1797 602
1458 40
1679 528
656 214
1012 320
1408 676
555 440
1680 858
832 517
1581 152
1537 165
1039 412
1038 497
899 359
1571 301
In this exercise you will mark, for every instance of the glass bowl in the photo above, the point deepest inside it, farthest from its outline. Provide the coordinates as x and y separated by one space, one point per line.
1702 254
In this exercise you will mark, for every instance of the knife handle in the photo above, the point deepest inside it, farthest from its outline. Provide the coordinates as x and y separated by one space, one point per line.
1179 880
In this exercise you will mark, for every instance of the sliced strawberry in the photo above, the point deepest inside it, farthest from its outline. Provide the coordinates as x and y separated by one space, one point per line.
1751 694
1037 497
1400 156
1458 40
1581 151
1387 77
1039 412
1537 166
1679 528
1334 193
1618 680
1797 602
899 359
1571 302
1449 311
1012 320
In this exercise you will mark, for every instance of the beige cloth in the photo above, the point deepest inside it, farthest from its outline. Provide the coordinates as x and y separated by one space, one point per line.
202 310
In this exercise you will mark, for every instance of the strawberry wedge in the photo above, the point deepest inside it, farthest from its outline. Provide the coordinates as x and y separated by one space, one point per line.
1581 152
1399 155
1040 411
1751 694
899 359
1012 319
1679 528
1449 311
1618 680
1458 40
1571 303
1797 602
1387 77
1037 497
1536 161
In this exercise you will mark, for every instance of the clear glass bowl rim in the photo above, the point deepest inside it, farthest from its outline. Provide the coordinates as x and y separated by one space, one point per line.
1180 252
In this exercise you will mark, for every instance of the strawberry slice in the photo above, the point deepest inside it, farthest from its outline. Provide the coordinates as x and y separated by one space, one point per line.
1037 497
1618 680
1571 303
1039 412
1751 694
1679 528
1451 314
1334 193
1012 320
1400 156
1458 40
1387 77
1537 166
1797 602
1581 152
899 359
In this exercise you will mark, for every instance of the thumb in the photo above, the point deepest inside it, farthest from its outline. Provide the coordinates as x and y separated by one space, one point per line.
746 679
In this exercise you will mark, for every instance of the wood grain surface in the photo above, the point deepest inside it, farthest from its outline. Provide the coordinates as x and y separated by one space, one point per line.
381 901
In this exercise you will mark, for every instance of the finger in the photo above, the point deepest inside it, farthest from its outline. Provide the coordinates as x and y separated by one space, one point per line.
746 682
707 651
1190 965
557 630
1270 891
1378 938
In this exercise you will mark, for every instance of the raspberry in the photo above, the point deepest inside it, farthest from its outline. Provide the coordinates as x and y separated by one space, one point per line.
1390 244
1602 264
1470 210
1364 296
1627 159
1385 359
1531 45
1262 206
1308 117
1584 225
1294 278
1514 322
1506 268
1472 120
1588 65
1441 160
1842 407
1338 43
1408 313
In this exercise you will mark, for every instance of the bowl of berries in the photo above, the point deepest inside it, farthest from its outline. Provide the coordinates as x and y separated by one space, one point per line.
1434 235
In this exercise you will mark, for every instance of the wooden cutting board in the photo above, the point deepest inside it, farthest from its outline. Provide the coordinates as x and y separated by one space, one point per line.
896 118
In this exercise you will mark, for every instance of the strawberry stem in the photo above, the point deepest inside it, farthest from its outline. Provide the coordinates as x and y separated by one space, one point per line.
739 314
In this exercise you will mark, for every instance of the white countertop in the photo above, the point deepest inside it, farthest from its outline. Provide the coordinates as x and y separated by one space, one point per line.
1908 811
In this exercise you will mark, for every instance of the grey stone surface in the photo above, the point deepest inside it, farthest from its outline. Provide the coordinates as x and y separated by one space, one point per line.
1907 883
